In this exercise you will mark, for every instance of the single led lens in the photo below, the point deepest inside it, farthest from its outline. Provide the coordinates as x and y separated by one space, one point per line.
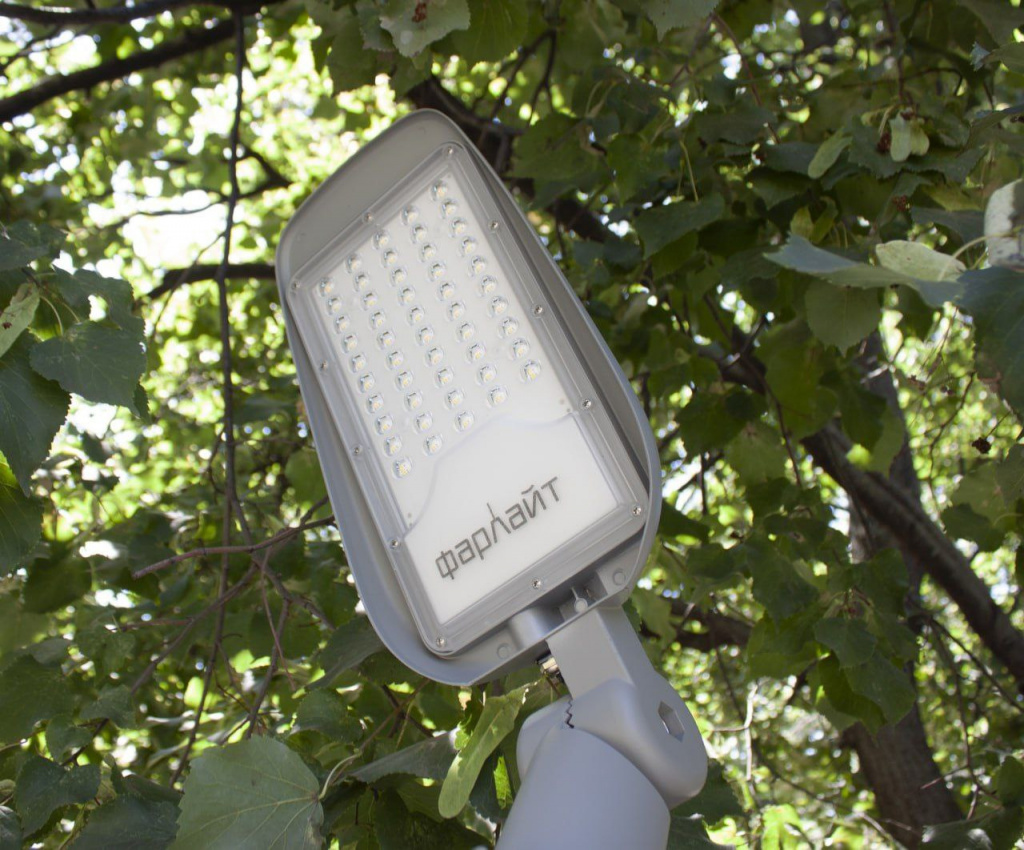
326 286
531 371
423 422
410 215
459 226
384 424
333 305
435 356
399 276
456 310
439 191
498 306
454 398
392 446
425 335
477 265
395 359
414 401
487 374
432 445
476 352
389 258
449 209
464 421
366 382
445 377
369 300
357 363
467 246
416 315
488 284
385 339
377 320
428 252
520 348
403 380
375 403
402 467
446 291
381 239
341 324
349 342
354 263
509 326
361 282
498 396
419 234
436 271
407 295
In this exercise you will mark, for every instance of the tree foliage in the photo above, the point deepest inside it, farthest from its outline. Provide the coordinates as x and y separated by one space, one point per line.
798 225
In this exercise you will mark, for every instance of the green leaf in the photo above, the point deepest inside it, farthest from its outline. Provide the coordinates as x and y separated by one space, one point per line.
716 800
77 287
841 315
252 793
29 693
325 711
908 138
756 453
995 300
414 25
496 28
827 154
397 828
349 62
668 15
14 254
429 759
43 787
113 703
1010 782
496 721
660 226
778 585
848 639
350 644
97 362
32 410
10 830
17 315
55 581
880 681
1004 226
918 261
556 148
20 520
128 823
63 736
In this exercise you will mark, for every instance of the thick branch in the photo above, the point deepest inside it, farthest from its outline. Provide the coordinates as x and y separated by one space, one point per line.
173 278
112 14
57 85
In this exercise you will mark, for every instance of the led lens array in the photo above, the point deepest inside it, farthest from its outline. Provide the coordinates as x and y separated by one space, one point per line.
434 338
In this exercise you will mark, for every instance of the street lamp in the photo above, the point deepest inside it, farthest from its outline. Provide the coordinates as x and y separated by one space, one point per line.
494 478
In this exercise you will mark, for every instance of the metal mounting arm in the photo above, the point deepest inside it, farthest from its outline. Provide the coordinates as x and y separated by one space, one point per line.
602 768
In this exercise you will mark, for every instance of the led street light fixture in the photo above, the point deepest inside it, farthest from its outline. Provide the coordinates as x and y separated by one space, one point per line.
496 483
469 417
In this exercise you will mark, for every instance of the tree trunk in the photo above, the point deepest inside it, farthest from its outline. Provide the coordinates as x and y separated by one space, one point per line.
897 763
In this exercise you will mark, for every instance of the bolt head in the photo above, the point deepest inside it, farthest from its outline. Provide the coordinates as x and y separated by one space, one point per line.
368 217
637 510
394 543
449 151
495 225
538 310
358 450
537 584
441 642
587 404
323 365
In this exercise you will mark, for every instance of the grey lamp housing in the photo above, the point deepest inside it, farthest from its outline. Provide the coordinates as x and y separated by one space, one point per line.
342 202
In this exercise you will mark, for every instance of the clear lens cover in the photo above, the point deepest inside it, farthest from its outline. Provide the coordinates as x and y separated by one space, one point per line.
493 481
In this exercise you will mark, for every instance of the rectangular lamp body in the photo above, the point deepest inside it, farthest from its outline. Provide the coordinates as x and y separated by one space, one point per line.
470 422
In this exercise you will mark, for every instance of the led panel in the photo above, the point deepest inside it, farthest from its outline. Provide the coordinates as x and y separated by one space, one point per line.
471 423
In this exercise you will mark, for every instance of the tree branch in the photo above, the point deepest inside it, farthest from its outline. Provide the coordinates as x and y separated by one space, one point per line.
112 14
192 41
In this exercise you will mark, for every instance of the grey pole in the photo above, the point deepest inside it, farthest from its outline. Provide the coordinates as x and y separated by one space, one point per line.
602 768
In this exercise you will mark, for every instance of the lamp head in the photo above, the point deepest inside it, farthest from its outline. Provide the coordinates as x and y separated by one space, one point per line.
489 466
